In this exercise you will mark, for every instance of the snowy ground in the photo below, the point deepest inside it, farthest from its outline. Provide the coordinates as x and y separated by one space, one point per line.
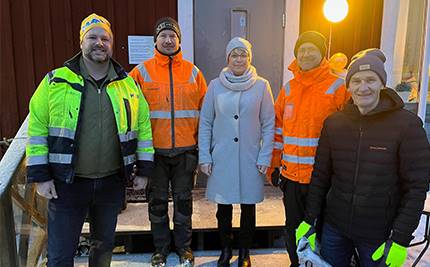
413 252
260 257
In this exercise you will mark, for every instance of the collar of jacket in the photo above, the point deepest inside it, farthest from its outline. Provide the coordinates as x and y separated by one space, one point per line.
163 59
389 101
73 65
309 77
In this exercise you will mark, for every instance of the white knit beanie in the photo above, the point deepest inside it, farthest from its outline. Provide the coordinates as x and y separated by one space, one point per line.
238 42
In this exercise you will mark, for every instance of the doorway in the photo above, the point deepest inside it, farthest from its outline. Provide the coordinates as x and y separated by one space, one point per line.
261 22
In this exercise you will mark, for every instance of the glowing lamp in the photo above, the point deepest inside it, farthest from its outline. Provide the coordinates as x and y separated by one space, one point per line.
335 10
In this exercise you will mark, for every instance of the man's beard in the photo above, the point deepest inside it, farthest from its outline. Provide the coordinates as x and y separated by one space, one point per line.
96 59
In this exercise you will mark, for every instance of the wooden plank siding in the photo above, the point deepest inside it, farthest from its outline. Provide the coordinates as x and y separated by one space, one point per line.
39 35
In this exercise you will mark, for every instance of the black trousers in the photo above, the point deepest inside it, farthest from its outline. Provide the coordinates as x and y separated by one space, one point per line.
176 173
247 224
294 203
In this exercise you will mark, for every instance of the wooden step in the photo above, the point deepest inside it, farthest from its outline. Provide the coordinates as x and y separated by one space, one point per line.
259 257
269 214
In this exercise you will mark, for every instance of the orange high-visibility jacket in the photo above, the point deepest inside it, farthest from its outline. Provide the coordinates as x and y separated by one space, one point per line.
174 89
301 108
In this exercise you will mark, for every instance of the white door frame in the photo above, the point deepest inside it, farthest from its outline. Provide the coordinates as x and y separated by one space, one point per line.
186 23
425 69
291 33
393 39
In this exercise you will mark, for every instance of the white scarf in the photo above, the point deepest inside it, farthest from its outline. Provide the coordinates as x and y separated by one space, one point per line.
238 83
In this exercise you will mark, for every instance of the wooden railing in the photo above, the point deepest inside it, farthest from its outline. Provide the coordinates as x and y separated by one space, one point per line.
23 215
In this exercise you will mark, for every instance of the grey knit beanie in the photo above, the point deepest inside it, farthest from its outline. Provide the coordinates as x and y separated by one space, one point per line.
370 59
238 42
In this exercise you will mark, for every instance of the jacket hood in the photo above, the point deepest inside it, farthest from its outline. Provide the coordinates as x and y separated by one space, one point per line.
314 75
73 65
389 101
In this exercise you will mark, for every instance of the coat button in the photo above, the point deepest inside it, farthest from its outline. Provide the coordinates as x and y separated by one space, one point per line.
236 117
236 139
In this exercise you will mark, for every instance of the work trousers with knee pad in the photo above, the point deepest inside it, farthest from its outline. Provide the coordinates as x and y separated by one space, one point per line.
175 173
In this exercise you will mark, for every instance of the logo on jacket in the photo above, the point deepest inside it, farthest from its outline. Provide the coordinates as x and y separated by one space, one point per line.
288 111
382 148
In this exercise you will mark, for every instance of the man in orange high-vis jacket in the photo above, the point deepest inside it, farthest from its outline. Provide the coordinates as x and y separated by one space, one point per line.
174 89
301 108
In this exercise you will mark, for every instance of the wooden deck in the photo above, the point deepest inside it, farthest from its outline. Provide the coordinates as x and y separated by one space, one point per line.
269 213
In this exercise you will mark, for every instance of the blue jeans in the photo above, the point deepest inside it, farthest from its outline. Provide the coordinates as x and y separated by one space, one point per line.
101 199
337 249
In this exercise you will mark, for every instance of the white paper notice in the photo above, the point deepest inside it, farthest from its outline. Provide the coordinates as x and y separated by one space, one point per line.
140 48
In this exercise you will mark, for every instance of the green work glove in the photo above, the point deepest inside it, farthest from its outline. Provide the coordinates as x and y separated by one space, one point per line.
303 229
396 254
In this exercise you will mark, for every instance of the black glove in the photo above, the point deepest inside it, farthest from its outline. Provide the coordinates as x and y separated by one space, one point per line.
276 177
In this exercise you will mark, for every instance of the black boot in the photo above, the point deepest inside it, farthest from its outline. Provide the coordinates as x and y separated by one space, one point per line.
224 216
225 257
158 259
244 259
186 257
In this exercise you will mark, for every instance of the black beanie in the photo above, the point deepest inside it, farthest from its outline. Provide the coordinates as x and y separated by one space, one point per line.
313 37
166 23
370 59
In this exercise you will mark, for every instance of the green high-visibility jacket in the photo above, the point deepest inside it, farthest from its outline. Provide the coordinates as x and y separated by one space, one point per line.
54 121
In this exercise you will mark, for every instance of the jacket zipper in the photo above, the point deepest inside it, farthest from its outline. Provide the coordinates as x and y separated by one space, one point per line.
99 92
357 167
128 113
172 103
122 169
298 147
70 179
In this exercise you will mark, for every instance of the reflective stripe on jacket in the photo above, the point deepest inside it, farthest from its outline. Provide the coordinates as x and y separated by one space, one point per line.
174 89
54 123
301 108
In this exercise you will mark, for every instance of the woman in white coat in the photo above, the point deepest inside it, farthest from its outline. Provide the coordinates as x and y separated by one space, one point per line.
235 145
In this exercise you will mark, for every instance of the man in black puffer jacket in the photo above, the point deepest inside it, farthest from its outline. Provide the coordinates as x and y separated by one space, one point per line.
371 172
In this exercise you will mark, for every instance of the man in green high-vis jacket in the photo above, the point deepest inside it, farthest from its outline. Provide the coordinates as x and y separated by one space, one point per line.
89 126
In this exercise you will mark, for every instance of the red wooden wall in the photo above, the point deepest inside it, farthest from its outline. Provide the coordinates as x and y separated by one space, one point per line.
39 35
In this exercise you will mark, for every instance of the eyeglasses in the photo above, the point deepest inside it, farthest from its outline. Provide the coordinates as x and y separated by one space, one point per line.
236 56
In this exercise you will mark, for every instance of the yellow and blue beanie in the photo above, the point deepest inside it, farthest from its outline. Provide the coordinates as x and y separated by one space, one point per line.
93 21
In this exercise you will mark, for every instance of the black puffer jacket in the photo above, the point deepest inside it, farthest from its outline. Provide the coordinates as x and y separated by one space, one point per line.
372 172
